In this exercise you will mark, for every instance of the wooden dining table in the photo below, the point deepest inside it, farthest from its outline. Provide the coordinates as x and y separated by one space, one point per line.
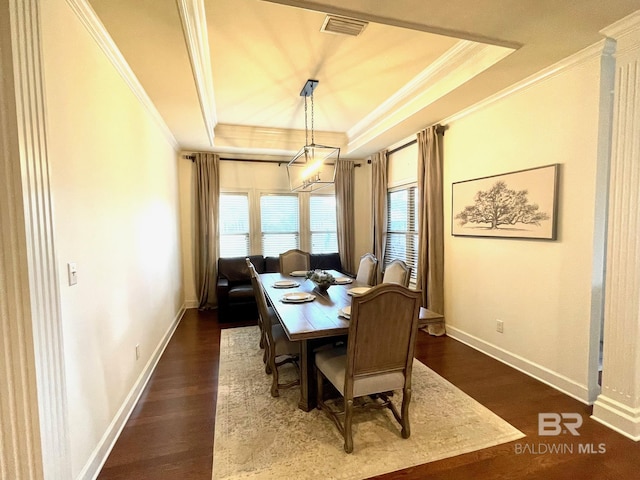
311 323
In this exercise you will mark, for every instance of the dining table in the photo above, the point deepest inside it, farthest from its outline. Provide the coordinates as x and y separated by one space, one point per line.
314 322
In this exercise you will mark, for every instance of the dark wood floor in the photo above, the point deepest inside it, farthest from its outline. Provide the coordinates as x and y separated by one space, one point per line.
170 433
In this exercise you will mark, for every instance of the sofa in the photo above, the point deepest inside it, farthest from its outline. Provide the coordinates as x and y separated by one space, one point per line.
236 301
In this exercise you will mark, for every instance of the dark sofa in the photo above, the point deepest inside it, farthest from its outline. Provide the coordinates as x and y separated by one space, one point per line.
236 301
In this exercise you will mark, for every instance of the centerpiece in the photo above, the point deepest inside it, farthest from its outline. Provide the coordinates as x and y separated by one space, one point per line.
322 279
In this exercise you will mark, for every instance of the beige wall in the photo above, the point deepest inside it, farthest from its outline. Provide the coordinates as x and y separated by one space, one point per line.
541 290
115 196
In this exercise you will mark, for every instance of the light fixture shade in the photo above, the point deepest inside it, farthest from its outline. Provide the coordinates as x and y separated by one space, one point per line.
313 168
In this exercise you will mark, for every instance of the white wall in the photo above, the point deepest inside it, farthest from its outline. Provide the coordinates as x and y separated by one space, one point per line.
541 290
115 196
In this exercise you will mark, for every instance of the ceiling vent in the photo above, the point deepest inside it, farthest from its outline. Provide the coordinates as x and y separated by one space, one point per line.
343 25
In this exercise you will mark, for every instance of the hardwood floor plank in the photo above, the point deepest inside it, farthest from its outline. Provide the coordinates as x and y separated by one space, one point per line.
170 433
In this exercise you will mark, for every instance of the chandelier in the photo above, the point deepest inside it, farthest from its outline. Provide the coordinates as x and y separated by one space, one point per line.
314 166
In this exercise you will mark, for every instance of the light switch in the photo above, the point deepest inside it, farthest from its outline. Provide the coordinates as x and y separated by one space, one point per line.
73 273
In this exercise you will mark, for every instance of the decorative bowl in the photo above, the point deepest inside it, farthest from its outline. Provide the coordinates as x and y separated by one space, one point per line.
321 279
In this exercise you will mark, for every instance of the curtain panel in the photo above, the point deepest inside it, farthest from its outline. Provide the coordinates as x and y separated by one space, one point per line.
207 179
379 202
345 216
431 222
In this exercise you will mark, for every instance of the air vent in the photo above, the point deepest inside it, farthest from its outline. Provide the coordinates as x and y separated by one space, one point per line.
343 26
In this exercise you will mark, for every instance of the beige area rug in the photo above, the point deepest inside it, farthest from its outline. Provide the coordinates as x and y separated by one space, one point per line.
261 437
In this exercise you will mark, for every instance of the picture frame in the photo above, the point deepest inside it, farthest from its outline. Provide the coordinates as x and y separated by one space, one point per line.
519 204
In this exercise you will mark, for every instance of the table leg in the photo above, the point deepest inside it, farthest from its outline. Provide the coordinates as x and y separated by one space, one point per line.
307 377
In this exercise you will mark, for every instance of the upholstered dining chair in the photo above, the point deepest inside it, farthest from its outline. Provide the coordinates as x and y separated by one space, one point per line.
279 350
377 359
397 272
293 260
367 269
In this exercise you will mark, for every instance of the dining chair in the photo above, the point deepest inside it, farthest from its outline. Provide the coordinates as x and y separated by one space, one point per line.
293 260
262 342
279 350
367 269
376 360
397 272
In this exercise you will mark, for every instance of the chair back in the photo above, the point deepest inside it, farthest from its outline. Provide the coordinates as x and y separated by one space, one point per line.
367 269
382 332
293 260
261 299
397 272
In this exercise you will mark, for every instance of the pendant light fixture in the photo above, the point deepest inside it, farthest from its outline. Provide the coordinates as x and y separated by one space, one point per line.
314 166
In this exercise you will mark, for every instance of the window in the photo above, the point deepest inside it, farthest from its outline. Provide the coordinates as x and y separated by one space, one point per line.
322 224
402 228
279 220
234 225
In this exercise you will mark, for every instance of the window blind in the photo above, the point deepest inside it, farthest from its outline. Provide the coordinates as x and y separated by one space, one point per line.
322 224
280 223
233 225
402 228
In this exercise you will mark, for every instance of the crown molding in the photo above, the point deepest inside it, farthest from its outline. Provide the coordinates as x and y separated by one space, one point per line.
94 26
603 47
624 26
261 139
194 27
459 64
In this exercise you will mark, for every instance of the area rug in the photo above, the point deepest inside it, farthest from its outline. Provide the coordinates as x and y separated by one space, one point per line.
261 437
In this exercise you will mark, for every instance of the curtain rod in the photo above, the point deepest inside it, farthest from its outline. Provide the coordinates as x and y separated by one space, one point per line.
440 129
278 162
402 147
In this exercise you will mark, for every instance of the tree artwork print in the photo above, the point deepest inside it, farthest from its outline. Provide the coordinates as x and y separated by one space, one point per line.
519 205
502 206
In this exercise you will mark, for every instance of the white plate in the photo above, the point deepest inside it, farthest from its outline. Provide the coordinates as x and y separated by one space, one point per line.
345 312
285 284
298 273
297 297
343 280
358 290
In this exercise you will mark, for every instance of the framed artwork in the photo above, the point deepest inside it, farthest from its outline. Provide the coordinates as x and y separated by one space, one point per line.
520 204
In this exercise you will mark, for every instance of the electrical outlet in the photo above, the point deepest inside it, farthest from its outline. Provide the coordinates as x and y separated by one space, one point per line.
499 326
137 351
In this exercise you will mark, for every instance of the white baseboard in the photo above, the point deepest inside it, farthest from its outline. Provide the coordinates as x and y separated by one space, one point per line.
617 416
543 374
104 447
191 304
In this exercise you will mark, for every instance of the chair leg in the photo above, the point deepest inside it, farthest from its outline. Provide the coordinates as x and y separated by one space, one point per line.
406 398
271 365
265 359
319 389
348 417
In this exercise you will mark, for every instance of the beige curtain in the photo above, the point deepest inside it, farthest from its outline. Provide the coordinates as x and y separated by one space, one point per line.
379 203
206 242
345 214
431 222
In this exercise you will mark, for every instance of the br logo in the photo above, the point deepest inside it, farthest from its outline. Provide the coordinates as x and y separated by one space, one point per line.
552 424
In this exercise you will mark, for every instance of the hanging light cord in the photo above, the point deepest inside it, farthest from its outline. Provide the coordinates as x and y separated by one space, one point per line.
313 141
306 127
